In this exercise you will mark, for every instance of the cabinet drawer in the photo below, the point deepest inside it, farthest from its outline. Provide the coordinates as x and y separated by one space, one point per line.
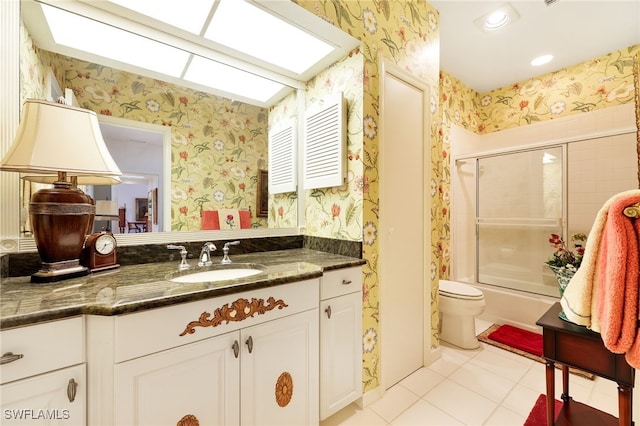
44 347
142 333
340 281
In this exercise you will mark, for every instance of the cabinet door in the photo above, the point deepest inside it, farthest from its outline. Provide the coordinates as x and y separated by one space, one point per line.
279 371
56 398
340 352
198 381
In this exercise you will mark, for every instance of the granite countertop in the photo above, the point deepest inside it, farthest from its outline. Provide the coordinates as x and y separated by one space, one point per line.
139 287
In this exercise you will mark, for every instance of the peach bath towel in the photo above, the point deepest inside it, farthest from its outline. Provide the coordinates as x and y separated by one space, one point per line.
617 279
580 297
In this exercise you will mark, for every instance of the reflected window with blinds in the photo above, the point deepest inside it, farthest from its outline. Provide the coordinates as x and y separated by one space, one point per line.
520 202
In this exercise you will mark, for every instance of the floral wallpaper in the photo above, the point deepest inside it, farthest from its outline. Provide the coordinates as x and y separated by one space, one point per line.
595 84
218 145
401 32
337 212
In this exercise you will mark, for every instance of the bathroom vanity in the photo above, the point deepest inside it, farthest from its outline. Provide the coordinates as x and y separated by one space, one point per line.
132 347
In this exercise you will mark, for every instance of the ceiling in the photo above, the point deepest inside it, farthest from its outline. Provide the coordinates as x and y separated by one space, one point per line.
213 46
572 31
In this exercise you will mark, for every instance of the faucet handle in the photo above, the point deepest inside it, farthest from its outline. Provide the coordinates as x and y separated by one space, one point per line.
230 243
183 255
225 251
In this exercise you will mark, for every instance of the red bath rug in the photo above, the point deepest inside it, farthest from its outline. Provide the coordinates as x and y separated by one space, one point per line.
538 414
518 338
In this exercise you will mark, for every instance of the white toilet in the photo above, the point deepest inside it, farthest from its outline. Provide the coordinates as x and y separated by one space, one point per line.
459 305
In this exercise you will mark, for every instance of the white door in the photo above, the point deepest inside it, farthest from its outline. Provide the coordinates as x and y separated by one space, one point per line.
340 352
199 381
55 398
404 218
279 371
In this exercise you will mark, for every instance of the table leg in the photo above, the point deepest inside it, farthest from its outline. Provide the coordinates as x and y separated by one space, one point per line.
565 383
550 379
625 410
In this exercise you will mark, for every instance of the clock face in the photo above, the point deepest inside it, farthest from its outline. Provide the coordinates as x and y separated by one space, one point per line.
105 244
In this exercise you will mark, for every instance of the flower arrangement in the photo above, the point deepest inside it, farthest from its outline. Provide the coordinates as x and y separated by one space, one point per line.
563 258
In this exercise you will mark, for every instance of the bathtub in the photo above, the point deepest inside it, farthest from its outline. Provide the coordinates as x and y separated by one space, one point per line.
518 308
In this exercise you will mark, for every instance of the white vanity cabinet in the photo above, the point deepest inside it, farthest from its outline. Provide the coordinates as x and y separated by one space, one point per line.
340 339
43 374
245 358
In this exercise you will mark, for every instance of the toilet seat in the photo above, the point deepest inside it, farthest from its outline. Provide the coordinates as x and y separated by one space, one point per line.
457 290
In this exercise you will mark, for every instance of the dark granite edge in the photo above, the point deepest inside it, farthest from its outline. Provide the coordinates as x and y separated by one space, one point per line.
164 301
335 246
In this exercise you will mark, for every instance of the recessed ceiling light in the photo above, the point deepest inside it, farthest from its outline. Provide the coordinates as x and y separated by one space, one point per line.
541 60
497 18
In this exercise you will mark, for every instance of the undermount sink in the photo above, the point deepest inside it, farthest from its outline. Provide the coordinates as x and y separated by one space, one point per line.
219 274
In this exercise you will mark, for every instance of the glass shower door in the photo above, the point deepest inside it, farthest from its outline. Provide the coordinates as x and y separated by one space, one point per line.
520 203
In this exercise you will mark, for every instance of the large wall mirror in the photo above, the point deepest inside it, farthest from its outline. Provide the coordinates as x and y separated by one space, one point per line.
178 121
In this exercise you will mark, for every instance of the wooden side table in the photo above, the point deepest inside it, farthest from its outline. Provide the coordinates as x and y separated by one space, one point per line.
571 345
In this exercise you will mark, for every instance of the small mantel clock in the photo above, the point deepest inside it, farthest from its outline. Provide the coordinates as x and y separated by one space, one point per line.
100 251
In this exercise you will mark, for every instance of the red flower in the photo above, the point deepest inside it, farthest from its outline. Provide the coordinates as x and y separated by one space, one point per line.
242 186
523 104
184 155
335 210
184 210
242 138
280 211
183 100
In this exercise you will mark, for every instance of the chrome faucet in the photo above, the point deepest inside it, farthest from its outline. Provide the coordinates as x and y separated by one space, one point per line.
183 255
205 254
225 251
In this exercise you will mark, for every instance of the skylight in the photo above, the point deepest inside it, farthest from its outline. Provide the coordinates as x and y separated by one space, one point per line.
279 43
191 18
78 32
225 78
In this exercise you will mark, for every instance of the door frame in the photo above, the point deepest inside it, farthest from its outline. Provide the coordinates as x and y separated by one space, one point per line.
388 68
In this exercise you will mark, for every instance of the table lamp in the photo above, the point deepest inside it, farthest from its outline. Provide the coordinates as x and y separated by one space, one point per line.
103 211
61 139
106 210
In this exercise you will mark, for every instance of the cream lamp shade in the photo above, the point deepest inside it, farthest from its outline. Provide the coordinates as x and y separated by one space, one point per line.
53 137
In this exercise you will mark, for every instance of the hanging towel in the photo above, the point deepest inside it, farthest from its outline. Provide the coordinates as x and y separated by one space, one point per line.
633 354
229 218
617 279
580 297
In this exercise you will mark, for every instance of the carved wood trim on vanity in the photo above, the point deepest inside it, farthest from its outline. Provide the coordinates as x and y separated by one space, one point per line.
239 310
284 389
188 420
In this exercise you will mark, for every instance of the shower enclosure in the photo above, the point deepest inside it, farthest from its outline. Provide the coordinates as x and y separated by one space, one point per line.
520 202
506 205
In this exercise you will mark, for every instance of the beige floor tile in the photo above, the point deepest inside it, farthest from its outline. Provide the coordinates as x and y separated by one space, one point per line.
394 401
422 381
423 413
483 382
461 403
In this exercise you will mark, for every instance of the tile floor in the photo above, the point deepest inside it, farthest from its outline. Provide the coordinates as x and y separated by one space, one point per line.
487 386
